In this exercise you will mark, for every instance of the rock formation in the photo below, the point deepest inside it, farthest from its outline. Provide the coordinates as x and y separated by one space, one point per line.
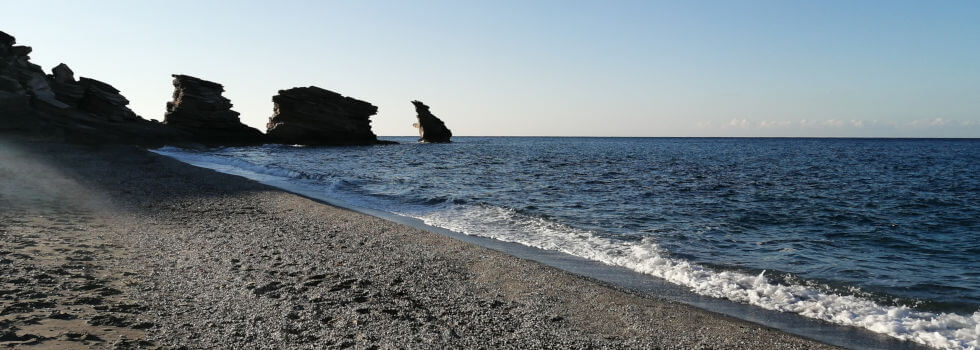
59 91
15 99
58 107
200 109
66 89
62 74
314 116
103 100
431 129
23 78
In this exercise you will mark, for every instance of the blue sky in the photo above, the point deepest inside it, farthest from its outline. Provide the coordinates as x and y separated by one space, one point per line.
572 68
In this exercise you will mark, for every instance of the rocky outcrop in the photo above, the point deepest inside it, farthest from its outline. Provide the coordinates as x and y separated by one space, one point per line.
199 108
431 129
58 107
25 80
60 90
66 89
315 116
14 99
62 74
103 100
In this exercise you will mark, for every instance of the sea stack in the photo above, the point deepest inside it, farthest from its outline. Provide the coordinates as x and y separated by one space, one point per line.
199 108
315 116
431 128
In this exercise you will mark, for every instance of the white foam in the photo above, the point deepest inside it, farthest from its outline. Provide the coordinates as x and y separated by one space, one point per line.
939 330
943 330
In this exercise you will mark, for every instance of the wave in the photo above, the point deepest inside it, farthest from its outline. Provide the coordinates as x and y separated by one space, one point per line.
935 329
941 330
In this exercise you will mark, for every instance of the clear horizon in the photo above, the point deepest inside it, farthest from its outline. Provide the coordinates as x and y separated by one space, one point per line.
547 68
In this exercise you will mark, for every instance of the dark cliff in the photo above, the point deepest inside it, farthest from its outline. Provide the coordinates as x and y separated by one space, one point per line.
58 107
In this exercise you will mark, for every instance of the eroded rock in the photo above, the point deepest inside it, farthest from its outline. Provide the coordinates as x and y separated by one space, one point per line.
66 89
198 107
315 116
63 74
101 99
431 128
58 107
15 65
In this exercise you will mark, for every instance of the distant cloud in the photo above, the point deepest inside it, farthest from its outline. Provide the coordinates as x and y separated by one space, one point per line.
833 123
775 123
929 122
741 123
806 123
745 123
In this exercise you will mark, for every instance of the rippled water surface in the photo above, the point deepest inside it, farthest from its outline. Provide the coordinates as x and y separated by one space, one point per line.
891 221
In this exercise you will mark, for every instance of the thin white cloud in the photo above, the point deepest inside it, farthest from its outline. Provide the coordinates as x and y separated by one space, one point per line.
808 123
833 123
775 123
740 123
744 123
925 123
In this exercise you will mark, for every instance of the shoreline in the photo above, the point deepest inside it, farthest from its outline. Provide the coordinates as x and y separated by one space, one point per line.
208 258
617 277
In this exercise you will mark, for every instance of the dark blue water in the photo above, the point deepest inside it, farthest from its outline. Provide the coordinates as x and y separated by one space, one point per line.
891 221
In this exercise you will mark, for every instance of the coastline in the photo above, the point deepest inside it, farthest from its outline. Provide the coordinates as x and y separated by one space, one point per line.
207 258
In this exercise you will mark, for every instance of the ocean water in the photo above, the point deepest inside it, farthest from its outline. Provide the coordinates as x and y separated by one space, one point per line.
881 234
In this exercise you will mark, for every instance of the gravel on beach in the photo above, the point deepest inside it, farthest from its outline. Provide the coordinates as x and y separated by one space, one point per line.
117 247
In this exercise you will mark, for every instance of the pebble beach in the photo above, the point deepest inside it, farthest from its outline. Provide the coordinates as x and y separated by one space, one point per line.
116 247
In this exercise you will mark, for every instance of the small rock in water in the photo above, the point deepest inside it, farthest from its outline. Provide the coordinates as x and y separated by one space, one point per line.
431 128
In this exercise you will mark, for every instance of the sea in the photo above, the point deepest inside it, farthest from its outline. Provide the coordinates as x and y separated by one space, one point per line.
881 234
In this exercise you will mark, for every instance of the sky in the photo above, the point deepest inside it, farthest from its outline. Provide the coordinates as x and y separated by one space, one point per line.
545 68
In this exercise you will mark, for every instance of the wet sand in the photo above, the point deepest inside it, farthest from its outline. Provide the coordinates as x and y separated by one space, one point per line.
116 247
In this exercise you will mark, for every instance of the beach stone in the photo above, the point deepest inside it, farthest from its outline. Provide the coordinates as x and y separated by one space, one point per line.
199 108
316 116
431 128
